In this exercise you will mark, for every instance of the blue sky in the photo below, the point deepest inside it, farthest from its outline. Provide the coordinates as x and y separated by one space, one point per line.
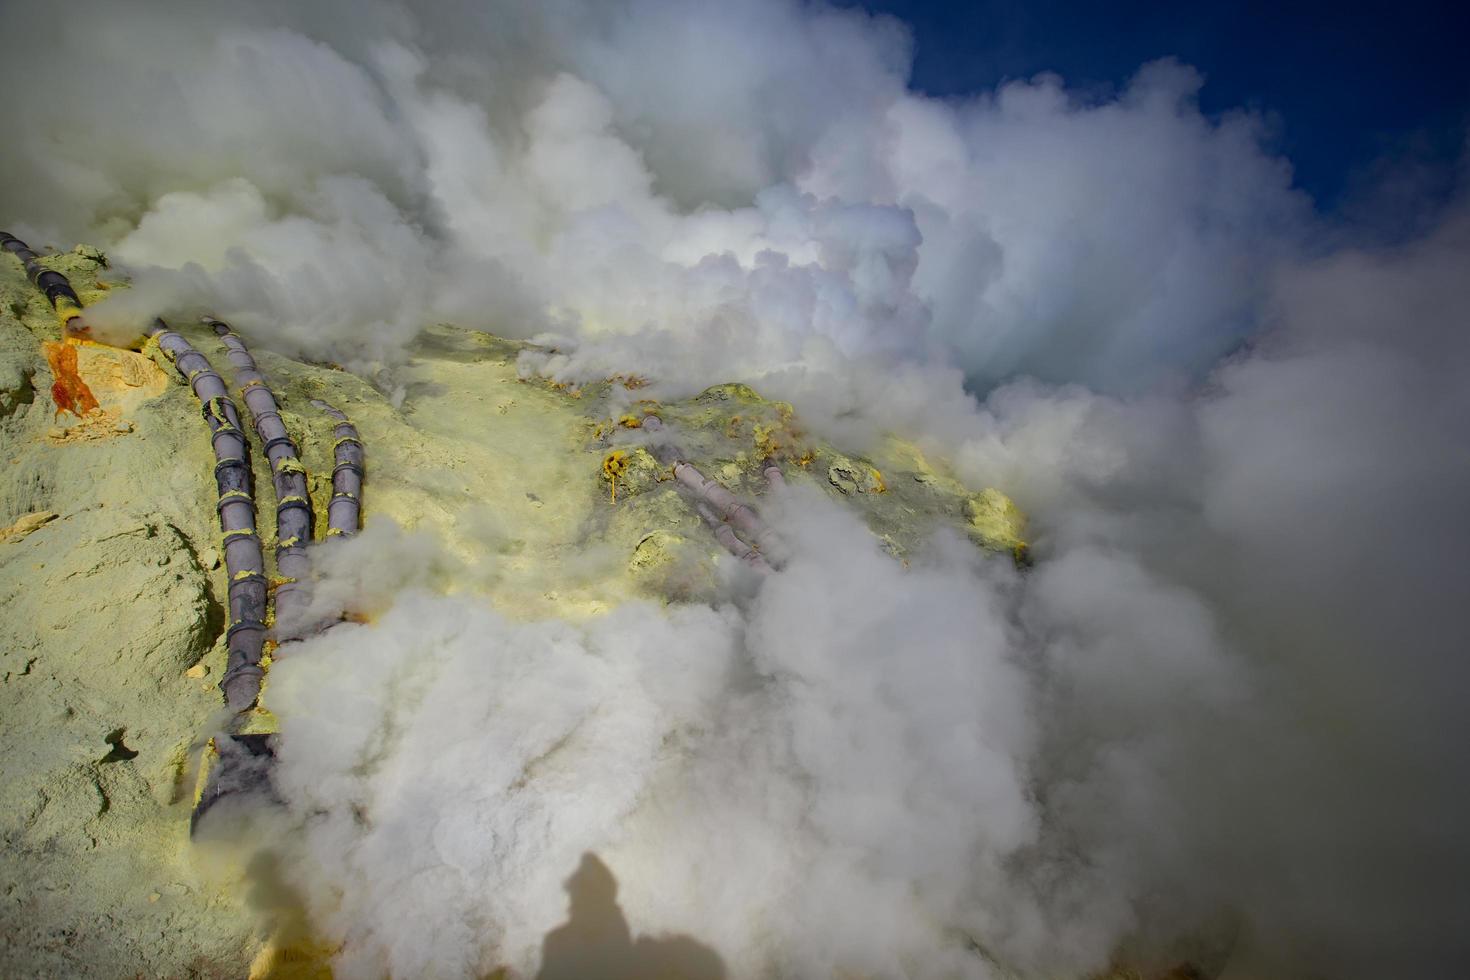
1358 90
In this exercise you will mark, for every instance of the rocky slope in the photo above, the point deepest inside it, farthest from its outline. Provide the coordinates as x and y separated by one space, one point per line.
111 582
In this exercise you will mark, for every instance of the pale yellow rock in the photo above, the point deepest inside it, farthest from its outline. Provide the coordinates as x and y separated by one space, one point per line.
849 476
135 370
97 426
99 609
25 525
996 522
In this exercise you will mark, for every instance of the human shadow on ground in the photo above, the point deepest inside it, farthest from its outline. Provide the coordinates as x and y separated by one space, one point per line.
595 942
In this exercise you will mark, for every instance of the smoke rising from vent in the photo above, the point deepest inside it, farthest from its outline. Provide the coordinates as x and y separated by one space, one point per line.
650 174
1223 704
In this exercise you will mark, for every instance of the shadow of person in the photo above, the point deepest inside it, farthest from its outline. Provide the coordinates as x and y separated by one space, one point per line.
596 944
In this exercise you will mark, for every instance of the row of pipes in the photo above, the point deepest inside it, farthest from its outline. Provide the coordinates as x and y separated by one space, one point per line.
249 593
249 590
244 561
244 758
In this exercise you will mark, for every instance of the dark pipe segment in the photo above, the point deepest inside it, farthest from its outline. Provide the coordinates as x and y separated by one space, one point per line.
293 501
54 285
16 247
244 561
344 511
57 287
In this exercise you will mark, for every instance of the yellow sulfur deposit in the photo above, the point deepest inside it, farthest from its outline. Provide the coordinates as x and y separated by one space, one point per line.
996 522
613 466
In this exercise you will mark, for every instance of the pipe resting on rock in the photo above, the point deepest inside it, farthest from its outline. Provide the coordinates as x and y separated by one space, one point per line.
244 760
755 543
344 511
293 503
62 297
728 508
727 537
244 560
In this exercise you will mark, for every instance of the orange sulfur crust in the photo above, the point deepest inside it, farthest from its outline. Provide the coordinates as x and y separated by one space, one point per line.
68 391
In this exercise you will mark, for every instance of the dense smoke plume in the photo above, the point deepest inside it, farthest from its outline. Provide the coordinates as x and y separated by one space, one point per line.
742 188
1220 712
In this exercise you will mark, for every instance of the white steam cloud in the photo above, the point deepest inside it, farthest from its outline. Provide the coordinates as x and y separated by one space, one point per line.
735 190
1222 711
